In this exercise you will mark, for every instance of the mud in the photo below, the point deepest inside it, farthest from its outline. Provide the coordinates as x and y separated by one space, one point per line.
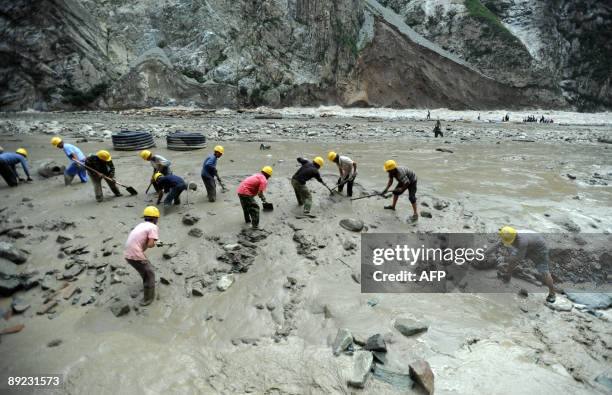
272 329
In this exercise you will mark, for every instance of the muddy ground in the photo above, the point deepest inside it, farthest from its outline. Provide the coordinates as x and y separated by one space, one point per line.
296 282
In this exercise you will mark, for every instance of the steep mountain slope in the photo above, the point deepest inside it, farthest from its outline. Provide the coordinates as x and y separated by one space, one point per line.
63 54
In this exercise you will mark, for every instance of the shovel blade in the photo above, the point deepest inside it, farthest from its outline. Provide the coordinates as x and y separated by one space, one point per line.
132 191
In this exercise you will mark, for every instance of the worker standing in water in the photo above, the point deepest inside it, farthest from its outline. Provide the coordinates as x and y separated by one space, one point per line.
8 166
250 187
141 238
348 171
209 173
101 164
525 244
406 180
306 172
159 164
77 158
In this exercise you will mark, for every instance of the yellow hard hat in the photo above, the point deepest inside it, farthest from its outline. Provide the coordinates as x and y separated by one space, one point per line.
331 155
151 211
219 149
55 141
267 170
156 176
22 151
507 235
104 155
145 154
319 161
390 165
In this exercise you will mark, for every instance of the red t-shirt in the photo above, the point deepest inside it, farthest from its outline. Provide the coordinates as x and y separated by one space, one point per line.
253 185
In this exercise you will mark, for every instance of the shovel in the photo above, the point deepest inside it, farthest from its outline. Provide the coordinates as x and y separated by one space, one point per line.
267 206
223 188
367 196
131 190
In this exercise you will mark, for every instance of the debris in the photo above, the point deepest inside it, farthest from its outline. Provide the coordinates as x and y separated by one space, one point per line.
376 343
409 327
9 286
19 306
523 293
196 232
343 340
120 308
420 371
224 282
197 289
45 308
444 150
189 219
354 225
362 365
70 290
426 214
54 343
11 253
74 271
399 381
62 238
12 329
571 176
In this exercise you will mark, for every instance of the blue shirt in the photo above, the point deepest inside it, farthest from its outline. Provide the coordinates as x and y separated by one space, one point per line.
70 150
13 159
209 168
169 182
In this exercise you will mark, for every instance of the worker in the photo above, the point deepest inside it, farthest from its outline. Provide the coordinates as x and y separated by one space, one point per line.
76 160
406 179
438 129
209 173
348 171
141 238
8 166
159 164
250 187
526 244
307 171
101 164
170 184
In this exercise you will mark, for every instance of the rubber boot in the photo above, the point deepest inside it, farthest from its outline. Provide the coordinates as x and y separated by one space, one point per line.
149 296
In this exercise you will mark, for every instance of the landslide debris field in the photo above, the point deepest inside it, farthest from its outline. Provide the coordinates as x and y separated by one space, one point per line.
280 310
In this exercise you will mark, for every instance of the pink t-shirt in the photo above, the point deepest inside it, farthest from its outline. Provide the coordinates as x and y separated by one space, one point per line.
253 185
136 243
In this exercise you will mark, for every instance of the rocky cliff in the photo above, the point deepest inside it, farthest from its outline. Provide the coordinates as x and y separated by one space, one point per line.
64 54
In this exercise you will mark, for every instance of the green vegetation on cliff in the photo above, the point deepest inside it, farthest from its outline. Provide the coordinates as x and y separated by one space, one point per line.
478 11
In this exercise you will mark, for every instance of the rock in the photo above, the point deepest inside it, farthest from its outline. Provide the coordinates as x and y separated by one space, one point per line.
120 308
343 340
19 306
591 300
74 271
409 327
164 280
70 290
561 304
425 214
16 234
9 286
189 219
12 329
380 356
349 245
399 381
62 238
224 282
50 168
54 343
196 232
354 225
376 343
45 308
362 365
7 251
440 204
231 247
604 379
197 289
171 252
571 176
421 372
523 293
444 150
356 276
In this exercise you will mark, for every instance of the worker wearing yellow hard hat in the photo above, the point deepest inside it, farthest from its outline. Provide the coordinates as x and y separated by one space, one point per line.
209 173
348 171
171 185
406 180
526 245
159 164
8 166
100 165
76 157
307 171
141 238
250 187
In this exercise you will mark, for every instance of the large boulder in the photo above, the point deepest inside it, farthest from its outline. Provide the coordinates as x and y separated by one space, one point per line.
7 251
50 168
354 225
362 365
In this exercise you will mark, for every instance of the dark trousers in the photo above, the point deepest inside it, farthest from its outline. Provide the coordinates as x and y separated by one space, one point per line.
97 185
165 170
438 132
250 209
145 269
349 186
174 195
302 194
8 174
211 187
412 189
